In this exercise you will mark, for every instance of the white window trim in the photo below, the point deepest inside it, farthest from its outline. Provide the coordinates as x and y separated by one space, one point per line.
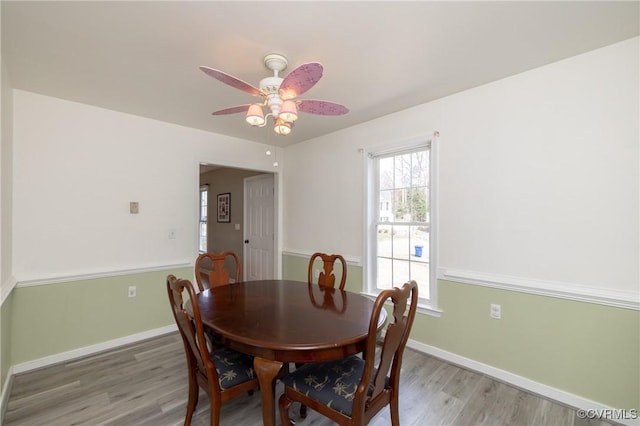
430 306
202 188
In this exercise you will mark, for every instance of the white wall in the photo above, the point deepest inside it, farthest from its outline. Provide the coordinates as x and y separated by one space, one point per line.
6 193
538 175
77 167
538 179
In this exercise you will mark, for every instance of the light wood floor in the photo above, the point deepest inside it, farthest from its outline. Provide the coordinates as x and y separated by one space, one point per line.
146 384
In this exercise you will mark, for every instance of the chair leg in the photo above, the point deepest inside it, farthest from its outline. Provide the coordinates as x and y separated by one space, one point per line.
395 412
194 391
284 404
303 411
303 408
215 412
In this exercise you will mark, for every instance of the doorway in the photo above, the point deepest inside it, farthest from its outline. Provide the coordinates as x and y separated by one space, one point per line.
260 227
256 225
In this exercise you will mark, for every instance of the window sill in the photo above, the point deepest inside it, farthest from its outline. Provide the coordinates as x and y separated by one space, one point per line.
427 309
424 308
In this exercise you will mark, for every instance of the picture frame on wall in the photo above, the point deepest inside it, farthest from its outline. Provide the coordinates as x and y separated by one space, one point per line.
224 207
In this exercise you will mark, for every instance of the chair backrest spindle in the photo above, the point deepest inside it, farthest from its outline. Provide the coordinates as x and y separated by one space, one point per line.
210 269
327 277
191 329
405 301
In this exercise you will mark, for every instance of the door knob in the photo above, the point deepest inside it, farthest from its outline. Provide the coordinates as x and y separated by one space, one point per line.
246 241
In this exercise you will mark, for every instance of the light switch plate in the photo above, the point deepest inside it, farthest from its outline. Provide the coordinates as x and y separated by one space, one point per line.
134 207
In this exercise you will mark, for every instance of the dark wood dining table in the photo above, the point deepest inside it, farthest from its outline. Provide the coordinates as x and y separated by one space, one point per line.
282 321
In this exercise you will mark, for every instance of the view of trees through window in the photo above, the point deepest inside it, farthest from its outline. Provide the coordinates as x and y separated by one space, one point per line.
403 220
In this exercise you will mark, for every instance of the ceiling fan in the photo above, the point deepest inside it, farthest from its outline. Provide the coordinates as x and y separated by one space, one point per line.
279 94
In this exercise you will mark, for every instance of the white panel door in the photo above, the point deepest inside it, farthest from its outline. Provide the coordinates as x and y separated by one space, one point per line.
259 242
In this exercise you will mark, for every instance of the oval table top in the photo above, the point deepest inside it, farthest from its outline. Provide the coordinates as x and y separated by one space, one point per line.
289 321
281 321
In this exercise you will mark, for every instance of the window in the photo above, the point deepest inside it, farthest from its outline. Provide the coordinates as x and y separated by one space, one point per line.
204 197
400 233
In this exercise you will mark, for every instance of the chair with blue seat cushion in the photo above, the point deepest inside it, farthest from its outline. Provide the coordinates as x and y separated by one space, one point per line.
351 391
326 282
223 373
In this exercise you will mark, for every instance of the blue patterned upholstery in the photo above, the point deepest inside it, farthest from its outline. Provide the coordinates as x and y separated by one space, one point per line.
334 388
331 383
232 367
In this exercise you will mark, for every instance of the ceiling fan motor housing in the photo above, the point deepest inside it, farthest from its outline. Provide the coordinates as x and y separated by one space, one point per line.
275 63
270 86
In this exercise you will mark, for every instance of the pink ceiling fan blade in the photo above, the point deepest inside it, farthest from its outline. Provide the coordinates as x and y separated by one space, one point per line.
313 106
232 110
232 81
300 80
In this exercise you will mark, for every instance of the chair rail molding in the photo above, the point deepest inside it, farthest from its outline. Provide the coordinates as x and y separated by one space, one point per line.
7 287
580 293
351 260
99 274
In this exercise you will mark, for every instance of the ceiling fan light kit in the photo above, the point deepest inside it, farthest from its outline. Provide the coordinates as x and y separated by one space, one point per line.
282 127
278 94
255 116
289 111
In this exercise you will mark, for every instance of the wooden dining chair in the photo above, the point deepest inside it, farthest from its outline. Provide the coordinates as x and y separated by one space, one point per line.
211 270
352 390
327 276
326 282
223 373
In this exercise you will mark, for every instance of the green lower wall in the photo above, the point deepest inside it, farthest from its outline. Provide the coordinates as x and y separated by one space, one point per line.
589 350
55 318
585 349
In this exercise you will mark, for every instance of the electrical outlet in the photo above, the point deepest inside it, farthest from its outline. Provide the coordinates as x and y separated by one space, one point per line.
495 311
316 273
172 234
132 291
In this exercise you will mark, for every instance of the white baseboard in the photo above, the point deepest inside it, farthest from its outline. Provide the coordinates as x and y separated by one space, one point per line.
529 385
4 396
499 374
89 350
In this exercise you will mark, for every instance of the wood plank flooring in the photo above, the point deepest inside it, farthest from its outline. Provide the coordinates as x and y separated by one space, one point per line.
146 384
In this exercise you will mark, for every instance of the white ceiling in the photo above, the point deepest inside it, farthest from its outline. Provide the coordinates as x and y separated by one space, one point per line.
379 57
